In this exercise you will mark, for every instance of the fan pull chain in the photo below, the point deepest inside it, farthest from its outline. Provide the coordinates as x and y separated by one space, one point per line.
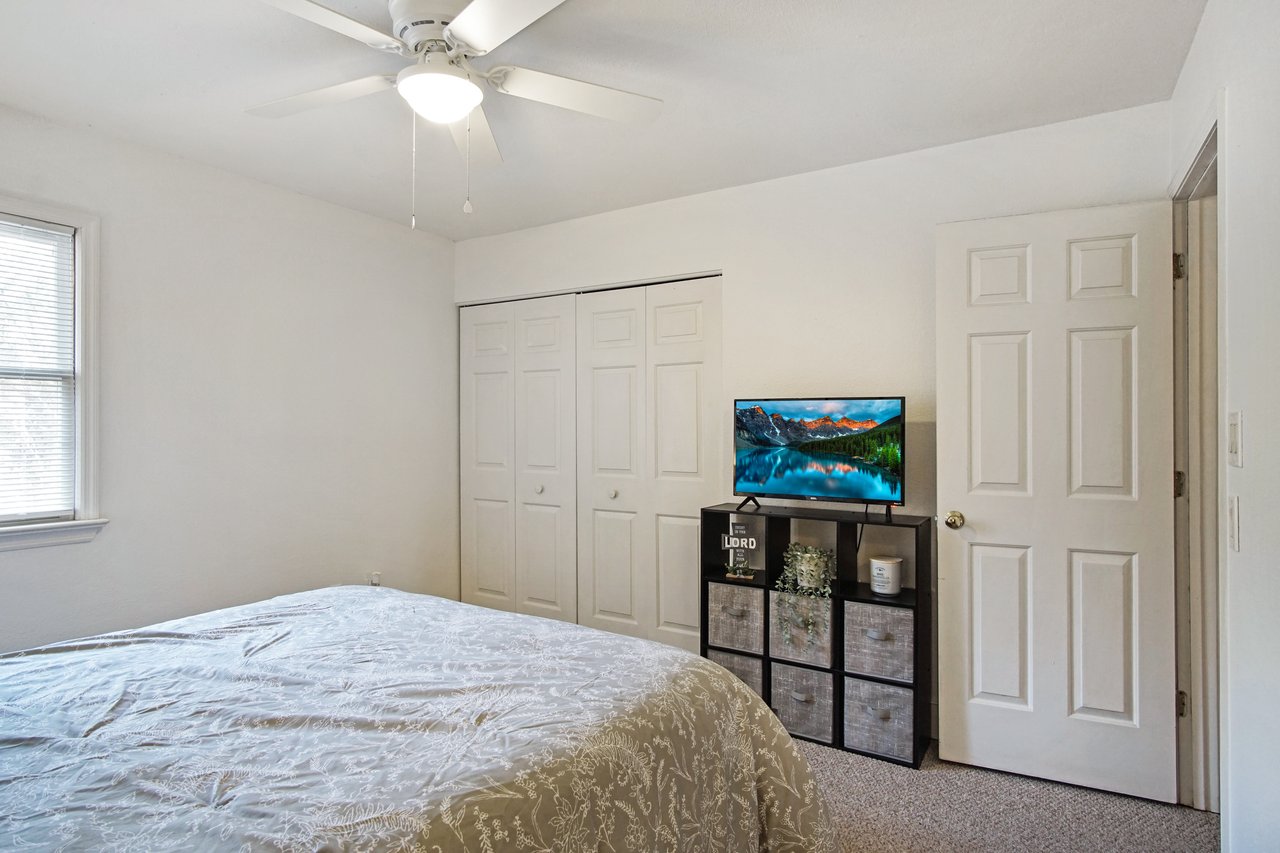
413 175
466 205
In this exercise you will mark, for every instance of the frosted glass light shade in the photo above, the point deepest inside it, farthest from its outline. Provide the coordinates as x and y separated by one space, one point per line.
438 90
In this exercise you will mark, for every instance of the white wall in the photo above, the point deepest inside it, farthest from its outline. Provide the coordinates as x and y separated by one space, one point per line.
828 276
278 394
1235 50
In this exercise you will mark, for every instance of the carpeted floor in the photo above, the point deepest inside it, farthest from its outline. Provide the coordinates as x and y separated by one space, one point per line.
885 808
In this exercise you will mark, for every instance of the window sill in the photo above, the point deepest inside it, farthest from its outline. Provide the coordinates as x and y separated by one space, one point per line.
17 537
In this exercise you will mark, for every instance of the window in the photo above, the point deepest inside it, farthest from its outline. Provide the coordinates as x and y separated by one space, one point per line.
47 382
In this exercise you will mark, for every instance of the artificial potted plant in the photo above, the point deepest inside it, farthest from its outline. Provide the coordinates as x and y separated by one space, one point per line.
805 593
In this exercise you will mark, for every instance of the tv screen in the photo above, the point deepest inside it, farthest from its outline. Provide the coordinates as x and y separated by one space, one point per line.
831 449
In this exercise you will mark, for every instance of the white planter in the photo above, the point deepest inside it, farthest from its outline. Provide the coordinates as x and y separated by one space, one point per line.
810 574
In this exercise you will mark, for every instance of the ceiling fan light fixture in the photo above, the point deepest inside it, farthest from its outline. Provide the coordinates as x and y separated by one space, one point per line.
438 90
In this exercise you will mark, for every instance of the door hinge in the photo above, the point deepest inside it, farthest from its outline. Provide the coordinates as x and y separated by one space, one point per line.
1184 703
1179 266
1179 483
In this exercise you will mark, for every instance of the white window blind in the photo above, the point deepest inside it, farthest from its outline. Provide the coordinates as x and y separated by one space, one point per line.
37 371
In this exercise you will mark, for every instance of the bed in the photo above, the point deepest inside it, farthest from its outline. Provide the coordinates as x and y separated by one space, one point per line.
365 718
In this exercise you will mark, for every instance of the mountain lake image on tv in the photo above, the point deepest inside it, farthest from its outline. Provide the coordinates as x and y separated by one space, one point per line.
833 449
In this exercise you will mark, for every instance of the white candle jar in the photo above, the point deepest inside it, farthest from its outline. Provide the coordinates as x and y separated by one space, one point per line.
886 575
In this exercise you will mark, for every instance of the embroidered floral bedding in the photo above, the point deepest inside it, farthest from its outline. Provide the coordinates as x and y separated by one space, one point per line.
362 718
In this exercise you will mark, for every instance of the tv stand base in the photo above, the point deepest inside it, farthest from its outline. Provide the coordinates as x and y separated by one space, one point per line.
750 499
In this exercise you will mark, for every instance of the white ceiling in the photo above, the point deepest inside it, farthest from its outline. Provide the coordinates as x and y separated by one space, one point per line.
753 89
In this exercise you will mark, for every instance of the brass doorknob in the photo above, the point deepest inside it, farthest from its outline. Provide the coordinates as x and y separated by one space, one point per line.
954 520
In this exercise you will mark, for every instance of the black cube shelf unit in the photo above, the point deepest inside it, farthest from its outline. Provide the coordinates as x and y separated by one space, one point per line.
863 684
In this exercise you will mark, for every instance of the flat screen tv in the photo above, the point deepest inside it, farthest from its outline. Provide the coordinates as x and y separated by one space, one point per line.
827 449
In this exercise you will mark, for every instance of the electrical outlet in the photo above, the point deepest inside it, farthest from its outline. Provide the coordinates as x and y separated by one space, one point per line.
374 578
1233 522
1235 439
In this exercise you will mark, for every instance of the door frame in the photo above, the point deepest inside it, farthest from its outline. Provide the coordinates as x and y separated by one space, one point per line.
1199 416
595 288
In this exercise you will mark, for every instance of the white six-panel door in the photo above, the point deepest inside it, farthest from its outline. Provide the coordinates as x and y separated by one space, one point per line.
486 442
545 486
1055 397
649 454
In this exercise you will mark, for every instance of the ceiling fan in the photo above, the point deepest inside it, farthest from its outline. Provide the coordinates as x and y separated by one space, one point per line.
441 84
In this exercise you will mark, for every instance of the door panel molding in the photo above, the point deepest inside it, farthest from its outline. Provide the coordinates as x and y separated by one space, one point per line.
1104 410
999 580
999 424
999 276
1103 630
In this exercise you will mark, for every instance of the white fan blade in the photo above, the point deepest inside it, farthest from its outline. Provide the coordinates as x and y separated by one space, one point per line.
484 148
575 95
485 24
324 97
339 23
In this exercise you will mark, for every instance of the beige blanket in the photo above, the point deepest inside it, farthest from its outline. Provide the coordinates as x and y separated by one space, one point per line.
361 718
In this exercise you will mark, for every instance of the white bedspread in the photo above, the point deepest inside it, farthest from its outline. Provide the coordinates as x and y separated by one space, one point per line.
365 718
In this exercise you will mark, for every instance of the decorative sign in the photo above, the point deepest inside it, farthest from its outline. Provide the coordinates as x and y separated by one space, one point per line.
738 542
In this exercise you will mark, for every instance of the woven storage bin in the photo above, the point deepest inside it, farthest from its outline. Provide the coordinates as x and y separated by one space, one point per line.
735 617
877 718
879 641
802 700
749 670
788 638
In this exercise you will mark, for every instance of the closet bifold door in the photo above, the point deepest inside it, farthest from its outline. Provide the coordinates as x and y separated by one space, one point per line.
689 425
614 505
486 449
516 444
650 448
545 483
